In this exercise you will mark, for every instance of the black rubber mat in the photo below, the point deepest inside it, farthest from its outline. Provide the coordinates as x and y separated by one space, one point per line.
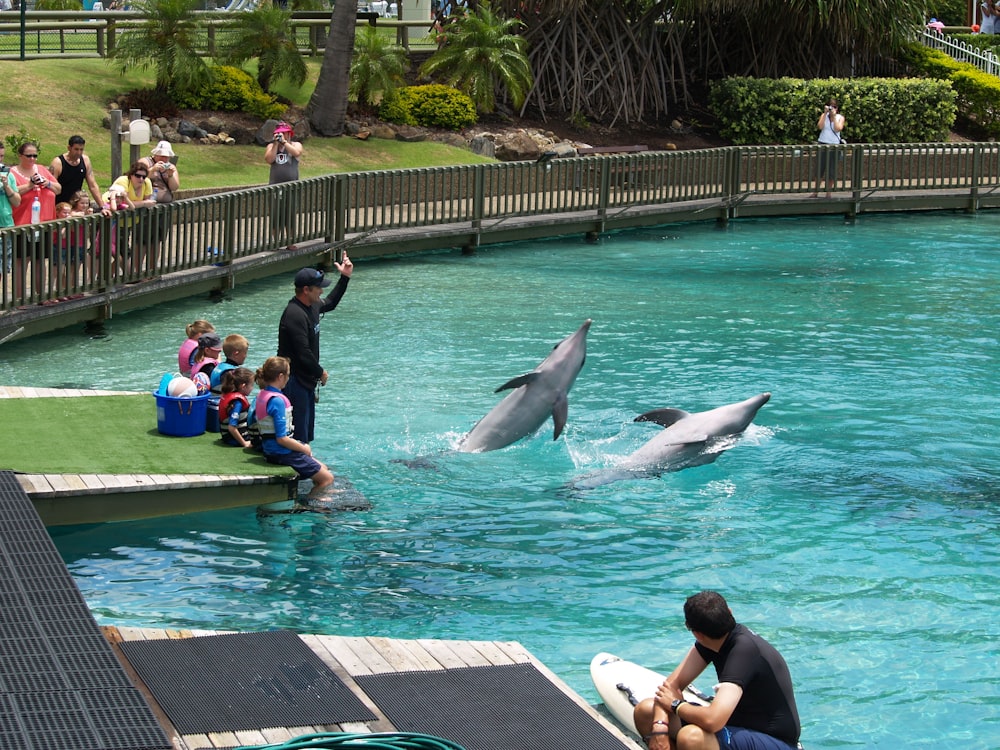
61 687
508 707
224 683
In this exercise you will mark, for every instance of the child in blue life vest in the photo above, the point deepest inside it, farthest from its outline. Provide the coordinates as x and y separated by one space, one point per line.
235 347
234 406
273 414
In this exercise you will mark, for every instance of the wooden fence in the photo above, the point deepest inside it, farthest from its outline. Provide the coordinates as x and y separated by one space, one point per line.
465 205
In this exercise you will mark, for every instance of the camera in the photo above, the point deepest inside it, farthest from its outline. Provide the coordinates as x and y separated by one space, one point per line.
4 169
279 138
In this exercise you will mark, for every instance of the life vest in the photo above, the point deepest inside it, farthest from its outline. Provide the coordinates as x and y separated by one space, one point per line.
206 365
225 405
264 421
217 373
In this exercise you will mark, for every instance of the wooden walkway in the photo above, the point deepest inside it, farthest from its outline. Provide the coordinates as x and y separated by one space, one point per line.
349 657
65 499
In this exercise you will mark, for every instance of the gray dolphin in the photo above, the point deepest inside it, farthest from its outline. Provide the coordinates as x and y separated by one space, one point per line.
687 440
536 394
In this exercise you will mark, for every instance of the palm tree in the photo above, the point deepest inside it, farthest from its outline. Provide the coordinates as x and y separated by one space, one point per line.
377 67
481 51
265 33
327 108
166 40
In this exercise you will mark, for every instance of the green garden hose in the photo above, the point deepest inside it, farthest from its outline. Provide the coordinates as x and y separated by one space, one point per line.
379 740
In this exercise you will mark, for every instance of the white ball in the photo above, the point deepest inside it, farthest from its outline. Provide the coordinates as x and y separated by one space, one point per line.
182 388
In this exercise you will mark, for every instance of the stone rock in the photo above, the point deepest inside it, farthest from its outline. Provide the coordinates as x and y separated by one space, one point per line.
385 132
453 139
351 128
212 125
190 130
410 134
518 146
242 136
483 146
563 149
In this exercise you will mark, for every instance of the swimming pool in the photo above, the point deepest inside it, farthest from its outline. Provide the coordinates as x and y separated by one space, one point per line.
855 525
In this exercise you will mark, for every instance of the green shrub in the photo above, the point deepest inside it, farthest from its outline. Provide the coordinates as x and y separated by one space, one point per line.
977 93
433 106
233 90
878 110
396 107
14 141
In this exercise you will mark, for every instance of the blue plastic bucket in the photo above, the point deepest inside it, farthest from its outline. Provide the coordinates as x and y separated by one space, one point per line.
212 417
181 417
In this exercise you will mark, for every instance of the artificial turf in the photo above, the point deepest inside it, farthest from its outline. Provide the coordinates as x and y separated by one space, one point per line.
111 435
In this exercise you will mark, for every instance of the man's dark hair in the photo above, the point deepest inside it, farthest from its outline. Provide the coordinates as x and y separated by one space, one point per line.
77 140
708 613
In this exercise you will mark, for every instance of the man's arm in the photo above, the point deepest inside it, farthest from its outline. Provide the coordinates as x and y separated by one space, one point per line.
56 167
715 715
95 190
690 667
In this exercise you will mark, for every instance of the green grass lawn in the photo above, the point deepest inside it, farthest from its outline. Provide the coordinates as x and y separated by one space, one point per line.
54 99
113 435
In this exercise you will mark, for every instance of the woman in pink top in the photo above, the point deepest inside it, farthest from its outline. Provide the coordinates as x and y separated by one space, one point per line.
190 346
33 181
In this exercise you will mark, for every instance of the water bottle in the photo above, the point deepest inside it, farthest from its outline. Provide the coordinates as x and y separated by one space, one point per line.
155 191
36 211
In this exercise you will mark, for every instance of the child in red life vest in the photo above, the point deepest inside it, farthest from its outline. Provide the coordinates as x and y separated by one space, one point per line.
234 406
273 412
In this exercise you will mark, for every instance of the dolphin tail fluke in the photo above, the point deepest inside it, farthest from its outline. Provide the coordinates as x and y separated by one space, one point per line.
663 417
528 377
560 413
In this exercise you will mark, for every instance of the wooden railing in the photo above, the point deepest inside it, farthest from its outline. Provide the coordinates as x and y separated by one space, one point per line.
60 259
46 34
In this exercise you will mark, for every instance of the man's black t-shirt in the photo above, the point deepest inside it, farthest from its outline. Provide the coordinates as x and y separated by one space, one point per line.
768 703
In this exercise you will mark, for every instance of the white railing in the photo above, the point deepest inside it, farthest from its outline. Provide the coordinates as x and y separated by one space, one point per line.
965 52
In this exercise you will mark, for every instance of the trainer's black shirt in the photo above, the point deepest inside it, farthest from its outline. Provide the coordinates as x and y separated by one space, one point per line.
768 703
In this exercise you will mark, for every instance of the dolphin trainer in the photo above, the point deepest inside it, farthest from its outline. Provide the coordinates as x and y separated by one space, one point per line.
536 394
687 440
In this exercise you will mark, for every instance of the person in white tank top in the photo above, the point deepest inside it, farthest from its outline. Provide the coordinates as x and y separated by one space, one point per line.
830 124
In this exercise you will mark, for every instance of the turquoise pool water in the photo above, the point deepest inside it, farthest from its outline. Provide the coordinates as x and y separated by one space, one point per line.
855 525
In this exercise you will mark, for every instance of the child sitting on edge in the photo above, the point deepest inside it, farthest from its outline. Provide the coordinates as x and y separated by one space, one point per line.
185 355
234 406
235 348
273 412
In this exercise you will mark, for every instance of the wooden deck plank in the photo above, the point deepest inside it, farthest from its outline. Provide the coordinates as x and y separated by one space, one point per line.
372 660
397 654
442 653
345 655
492 652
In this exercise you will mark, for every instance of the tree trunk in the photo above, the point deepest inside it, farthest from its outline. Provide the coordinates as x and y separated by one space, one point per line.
327 108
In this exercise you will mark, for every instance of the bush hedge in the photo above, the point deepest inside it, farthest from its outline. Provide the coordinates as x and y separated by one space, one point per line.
978 93
233 90
433 106
877 110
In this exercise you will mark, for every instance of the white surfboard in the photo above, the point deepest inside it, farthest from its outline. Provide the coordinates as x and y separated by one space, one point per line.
622 684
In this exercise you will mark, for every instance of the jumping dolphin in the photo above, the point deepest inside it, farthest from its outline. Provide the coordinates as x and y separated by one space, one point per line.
537 394
687 440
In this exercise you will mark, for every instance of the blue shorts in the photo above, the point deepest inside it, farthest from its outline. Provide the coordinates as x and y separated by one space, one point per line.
305 465
738 738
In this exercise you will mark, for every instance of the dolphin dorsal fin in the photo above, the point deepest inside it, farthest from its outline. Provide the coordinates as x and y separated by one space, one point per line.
528 377
560 413
663 417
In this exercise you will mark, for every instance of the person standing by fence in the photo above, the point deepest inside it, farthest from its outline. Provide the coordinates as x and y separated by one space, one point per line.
73 169
283 154
10 200
38 188
830 125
